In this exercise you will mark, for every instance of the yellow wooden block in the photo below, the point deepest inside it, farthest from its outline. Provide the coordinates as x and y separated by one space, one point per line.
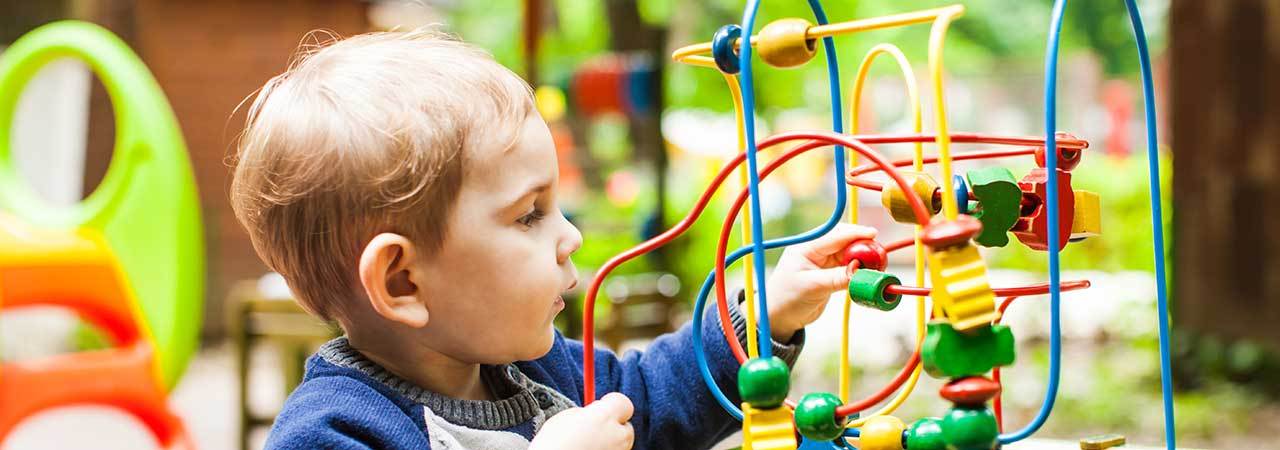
894 200
1087 221
767 429
1102 442
960 287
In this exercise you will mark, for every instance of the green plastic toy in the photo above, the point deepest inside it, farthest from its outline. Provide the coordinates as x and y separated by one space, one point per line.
146 206
999 202
947 353
764 382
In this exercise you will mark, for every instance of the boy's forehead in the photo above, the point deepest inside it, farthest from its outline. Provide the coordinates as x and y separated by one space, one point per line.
511 157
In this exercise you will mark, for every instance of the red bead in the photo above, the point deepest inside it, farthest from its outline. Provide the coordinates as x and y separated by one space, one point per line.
1068 158
869 254
1032 228
947 233
970 391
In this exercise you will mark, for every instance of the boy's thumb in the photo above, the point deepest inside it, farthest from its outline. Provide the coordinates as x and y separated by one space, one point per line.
614 405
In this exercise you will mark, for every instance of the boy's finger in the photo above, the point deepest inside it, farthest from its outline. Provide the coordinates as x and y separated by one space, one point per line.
839 238
824 281
615 405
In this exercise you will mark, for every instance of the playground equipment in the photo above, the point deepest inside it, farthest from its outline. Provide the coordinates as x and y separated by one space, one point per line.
129 258
960 335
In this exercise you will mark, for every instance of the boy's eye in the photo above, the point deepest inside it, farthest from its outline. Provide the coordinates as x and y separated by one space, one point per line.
531 218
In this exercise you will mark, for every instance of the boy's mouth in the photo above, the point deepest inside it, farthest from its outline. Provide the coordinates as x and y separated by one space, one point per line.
559 304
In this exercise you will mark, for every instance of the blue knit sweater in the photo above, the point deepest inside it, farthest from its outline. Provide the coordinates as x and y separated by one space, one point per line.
348 402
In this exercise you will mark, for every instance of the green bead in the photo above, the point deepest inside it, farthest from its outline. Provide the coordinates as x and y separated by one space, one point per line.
947 353
965 428
926 434
764 383
866 288
999 204
816 416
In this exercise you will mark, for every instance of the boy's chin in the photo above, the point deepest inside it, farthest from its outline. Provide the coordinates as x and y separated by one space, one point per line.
543 345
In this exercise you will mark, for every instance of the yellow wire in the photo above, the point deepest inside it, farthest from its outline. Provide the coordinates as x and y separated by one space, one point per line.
913 98
936 36
748 288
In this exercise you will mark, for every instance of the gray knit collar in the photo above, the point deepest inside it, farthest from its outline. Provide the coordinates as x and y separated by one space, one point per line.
520 399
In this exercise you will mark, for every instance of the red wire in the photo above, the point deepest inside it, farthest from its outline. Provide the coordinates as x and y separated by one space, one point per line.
995 372
593 289
731 216
986 154
1032 289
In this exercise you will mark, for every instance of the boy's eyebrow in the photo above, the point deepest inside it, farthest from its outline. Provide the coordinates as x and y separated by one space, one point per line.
533 190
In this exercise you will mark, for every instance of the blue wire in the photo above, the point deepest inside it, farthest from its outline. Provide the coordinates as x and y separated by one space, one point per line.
1157 220
746 84
837 124
753 180
1051 209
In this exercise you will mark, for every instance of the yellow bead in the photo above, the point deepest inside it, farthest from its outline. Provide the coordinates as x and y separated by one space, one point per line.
767 429
1087 221
896 202
782 43
882 433
960 286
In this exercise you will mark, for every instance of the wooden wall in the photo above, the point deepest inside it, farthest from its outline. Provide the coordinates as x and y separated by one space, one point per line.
1226 143
208 56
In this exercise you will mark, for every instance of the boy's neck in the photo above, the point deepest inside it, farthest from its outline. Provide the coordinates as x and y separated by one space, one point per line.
424 367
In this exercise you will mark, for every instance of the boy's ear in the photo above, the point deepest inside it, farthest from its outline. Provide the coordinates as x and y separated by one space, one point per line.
384 272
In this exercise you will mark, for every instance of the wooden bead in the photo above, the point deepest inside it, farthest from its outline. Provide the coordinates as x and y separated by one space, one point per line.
1032 228
767 429
816 416
922 185
882 433
1068 158
764 382
999 202
1088 216
869 254
970 391
947 353
970 429
782 43
942 233
867 288
926 434
722 49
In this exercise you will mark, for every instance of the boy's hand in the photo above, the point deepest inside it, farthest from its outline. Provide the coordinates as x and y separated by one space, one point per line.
602 425
806 276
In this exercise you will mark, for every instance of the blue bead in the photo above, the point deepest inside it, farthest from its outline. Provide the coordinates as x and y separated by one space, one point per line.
722 48
962 193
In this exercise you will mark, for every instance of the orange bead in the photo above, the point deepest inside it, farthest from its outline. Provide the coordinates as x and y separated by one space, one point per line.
783 43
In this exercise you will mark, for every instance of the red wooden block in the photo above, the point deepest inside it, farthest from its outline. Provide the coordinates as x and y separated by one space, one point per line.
970 391
1032 228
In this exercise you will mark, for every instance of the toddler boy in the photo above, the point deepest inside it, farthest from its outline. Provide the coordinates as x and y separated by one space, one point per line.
406 189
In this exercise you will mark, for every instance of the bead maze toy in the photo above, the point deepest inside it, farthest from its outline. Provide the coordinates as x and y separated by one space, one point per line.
960 337
129 258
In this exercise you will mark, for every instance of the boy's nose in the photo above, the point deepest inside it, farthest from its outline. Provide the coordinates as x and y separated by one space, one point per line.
570 243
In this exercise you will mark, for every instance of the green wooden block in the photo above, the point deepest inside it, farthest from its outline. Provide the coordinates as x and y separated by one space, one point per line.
926 434
866 288
948 353
815 416
999 203
965 428
764 383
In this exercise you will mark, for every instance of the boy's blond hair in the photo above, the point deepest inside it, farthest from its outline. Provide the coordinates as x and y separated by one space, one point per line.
362 136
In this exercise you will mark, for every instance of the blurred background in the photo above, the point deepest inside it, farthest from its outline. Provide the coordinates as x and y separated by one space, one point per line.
639 137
